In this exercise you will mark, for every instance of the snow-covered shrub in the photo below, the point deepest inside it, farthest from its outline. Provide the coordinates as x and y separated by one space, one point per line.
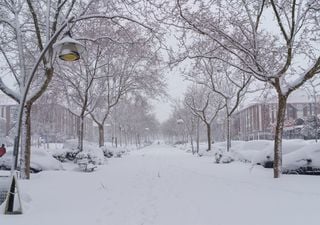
110 151
60 156
72 153
65 155
94 156
222 156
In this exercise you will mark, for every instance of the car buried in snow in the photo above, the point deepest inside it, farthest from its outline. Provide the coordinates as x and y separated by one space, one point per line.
40 160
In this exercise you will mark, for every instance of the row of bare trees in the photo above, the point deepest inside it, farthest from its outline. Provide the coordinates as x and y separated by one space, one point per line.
120 46
275 42
228 42
110 70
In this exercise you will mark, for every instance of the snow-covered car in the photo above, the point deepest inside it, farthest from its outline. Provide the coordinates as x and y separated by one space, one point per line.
265 156
40 160
299 156
305 160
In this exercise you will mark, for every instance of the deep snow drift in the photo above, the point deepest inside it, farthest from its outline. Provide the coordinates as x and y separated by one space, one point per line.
162 185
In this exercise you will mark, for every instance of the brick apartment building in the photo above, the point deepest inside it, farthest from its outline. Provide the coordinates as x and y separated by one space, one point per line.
52 122
257 120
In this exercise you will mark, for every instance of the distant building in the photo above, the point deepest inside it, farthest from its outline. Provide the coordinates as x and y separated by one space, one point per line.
55 123
257 120
8 109
50 122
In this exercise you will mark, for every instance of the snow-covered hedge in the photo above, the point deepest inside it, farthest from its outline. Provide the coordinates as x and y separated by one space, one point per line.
70 151
110 151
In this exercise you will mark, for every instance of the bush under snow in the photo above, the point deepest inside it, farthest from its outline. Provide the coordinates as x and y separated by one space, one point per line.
70 151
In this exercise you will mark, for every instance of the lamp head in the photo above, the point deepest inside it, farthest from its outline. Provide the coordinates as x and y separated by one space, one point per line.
180 121
68 48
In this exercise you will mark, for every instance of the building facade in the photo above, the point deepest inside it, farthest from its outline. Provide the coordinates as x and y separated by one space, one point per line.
258 119
50 122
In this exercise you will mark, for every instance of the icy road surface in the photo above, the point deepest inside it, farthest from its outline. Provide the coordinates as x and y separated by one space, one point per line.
162 185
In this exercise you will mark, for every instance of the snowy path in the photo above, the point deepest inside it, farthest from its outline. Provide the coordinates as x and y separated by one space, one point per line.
161 185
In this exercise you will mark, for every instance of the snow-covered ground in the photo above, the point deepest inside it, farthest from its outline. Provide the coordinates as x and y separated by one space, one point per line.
162 185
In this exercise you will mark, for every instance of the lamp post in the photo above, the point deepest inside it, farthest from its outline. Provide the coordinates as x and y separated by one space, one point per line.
68 49
147 134
181 122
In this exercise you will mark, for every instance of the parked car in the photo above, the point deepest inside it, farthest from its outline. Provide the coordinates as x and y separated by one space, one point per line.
40 160
305 160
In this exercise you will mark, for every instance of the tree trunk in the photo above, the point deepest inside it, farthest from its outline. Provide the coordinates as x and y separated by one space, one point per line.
208 136
277 165
136 139
192 146
81 134
120 136
101 135
126 138
25 154
198 135
228 133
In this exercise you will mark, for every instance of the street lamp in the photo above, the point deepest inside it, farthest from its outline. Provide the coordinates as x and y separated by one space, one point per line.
147 134
180 122
68 50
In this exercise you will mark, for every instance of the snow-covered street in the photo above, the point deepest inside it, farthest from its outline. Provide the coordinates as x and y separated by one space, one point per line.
163 185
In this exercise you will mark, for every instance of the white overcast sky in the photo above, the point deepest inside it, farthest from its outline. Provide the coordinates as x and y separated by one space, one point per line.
176 86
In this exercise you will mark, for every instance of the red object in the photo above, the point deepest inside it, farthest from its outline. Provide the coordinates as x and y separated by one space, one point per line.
2 151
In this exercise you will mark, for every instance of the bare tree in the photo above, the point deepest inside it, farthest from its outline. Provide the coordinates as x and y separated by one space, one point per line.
138 124
129 68
29 30
271 56
205 105
188 121
169 129
221 79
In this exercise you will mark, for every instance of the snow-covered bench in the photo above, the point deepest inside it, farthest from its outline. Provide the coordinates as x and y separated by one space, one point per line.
85 166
